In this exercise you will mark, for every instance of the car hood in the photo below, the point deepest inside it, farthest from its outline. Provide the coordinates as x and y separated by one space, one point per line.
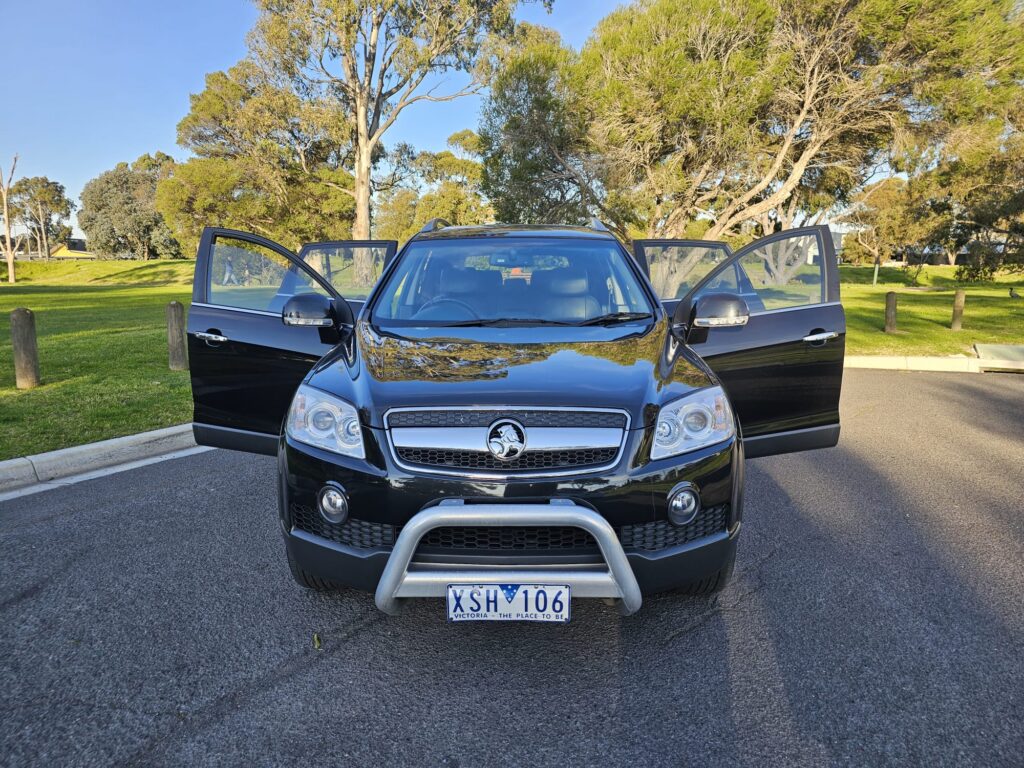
631 367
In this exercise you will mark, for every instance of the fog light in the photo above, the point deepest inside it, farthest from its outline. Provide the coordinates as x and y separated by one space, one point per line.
333 503
683 504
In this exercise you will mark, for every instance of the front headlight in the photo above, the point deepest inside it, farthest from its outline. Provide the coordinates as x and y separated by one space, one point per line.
319 419
691 422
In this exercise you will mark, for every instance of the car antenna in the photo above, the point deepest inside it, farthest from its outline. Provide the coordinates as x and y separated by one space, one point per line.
433 225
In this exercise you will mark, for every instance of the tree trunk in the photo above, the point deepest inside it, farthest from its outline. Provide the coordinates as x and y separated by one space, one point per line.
361 225
8 245
43 221
362 257
5 193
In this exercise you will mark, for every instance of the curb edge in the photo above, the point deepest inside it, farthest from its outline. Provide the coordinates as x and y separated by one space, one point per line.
54 465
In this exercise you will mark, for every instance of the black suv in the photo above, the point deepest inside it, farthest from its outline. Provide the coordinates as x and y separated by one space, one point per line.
510 417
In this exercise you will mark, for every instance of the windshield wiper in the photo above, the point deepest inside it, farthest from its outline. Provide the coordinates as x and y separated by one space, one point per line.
480 322
616 317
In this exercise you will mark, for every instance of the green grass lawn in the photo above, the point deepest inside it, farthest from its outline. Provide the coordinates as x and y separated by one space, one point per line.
103 342
102 337
924 312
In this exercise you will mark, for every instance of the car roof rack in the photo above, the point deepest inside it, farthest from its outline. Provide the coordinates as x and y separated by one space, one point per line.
600 226
433 225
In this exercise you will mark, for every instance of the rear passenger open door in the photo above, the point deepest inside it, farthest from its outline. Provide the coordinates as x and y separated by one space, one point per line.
245 362
783 369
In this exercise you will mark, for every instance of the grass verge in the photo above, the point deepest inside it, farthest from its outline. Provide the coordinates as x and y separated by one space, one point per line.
102 334
924 312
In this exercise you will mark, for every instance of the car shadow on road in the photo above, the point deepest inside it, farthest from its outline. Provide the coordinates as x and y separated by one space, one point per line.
862 624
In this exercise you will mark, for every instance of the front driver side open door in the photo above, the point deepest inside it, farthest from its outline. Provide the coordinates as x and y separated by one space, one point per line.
783 370
245 362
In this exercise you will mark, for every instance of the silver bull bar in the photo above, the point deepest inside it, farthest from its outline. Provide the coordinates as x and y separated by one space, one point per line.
404 579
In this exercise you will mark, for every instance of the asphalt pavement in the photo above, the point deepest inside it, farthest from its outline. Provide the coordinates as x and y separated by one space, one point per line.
876 618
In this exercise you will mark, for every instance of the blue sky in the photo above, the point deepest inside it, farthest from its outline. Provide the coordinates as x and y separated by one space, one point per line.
100 82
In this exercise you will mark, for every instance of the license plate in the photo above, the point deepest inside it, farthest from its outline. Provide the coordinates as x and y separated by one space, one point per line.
508 602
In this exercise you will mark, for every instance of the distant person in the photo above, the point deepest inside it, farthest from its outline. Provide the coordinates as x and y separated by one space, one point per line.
1014 294
229 273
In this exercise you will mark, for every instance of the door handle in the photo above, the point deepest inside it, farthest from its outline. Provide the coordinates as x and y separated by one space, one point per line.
214 338
823 336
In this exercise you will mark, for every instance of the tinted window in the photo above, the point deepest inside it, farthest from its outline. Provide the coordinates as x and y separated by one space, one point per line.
353 270
527 279
248 276
675 268
785 273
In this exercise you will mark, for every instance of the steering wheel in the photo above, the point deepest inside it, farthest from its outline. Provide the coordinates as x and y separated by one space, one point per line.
469 312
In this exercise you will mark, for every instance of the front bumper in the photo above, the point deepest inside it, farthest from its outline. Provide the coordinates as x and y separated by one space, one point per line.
630 501
653 571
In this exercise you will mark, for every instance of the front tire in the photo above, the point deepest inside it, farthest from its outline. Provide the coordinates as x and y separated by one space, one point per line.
709 585
306 579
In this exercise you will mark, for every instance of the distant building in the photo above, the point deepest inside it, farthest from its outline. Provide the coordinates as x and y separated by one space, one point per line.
74 248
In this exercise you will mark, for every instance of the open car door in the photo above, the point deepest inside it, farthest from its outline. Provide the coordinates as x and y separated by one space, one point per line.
783 368
245 362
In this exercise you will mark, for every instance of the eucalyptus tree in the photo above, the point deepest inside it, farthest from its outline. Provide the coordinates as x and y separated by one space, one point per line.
43 207
366 61
536 167
445 184
264 160
696 118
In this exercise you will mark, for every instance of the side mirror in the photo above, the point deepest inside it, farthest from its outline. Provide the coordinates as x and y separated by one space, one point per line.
313 310
309 309
717 310
690 322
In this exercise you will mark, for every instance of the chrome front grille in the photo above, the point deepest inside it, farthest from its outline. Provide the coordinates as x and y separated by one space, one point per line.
435 457
555 441
485 417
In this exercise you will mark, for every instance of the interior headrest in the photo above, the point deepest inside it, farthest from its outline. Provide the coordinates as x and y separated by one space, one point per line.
458 280
490 279
562 282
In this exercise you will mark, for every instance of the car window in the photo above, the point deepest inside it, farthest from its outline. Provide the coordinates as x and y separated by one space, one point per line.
675 268
785 273
246 275
445 281
352 270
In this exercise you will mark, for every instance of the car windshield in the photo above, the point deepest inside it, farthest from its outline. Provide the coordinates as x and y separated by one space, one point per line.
528 281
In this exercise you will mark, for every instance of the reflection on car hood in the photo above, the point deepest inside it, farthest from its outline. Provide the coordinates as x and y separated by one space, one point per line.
633 367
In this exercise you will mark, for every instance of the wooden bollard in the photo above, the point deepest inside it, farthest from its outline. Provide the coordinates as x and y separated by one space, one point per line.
177 352
26 352
890 312
958 309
